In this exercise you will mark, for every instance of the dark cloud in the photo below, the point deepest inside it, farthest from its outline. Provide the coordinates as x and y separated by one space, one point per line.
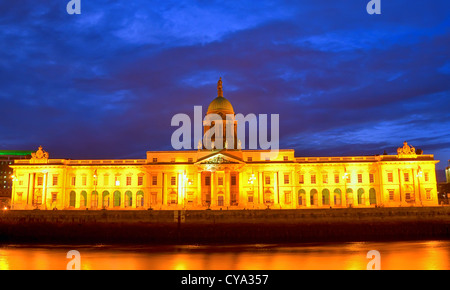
106 83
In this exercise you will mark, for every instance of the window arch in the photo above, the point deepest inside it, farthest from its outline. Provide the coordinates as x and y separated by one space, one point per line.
140 198
83 199
349 196
94 199
301 197
105 199
116 197
325 197
313 196
72 199
128 199
337 196
373 196
361 197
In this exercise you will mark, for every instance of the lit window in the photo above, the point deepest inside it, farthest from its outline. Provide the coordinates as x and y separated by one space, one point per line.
390 177
391 194
325 178
301 179
55 180
336 178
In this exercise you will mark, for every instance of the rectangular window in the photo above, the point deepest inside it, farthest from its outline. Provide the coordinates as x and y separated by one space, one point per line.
250 197
233 180
325 178
55 180
285 158
286 179
74 181
54 196
19 197
190 160
249 159
128 180
391 195
117 181
140 180
172 160
428 193
155 160
40 181
83 180
427 176
267 180
301 179
173 180
371 178
154 180
390 177
207 180
406 175
313 179
220 181
336 178
360 178
287 197
407 195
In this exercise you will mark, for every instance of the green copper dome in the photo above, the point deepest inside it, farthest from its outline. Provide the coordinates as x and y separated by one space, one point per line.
220 104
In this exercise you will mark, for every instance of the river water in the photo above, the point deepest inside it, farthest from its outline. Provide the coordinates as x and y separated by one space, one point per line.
417 255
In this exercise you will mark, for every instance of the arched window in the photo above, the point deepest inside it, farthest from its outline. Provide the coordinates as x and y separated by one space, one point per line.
325 197
349 196
314 196
337 196
301 197
117 199
72 199
361 198
83 199
372 196
140 198
128 198
105 199
94 199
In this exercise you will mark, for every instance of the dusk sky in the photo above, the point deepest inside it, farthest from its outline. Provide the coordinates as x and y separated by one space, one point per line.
106 83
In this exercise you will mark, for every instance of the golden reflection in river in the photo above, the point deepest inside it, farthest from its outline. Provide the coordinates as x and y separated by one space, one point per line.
420 255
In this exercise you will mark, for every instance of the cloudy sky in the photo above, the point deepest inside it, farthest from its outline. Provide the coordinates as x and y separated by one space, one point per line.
106 83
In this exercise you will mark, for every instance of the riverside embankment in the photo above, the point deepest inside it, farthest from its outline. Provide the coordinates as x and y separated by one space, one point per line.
224 227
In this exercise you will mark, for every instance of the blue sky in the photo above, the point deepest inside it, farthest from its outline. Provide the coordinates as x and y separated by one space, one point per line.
106 83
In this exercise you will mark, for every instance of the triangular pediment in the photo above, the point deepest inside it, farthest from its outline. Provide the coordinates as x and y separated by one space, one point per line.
219 158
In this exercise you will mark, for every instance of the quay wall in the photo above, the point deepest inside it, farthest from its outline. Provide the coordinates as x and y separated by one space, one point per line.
224 227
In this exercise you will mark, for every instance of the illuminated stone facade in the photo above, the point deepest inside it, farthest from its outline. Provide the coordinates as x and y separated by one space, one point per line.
225 179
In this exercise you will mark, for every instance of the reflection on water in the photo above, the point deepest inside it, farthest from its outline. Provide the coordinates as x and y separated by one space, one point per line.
394 255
